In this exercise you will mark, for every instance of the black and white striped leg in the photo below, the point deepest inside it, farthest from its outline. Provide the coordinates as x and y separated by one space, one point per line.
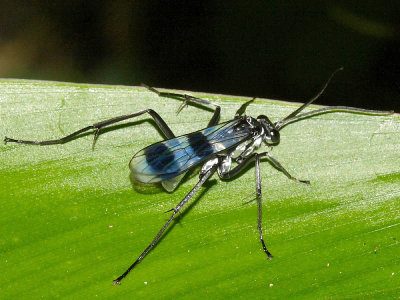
259 203
187 99
97 126
175 210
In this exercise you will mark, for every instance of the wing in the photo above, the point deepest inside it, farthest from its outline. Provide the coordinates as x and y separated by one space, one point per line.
170 184
168 159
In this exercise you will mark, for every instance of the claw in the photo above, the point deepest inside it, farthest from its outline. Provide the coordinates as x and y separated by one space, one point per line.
96 135
305 181
116 282
182 106
8 140
300 181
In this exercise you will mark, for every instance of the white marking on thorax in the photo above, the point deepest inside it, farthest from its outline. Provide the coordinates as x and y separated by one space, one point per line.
241 151
254 146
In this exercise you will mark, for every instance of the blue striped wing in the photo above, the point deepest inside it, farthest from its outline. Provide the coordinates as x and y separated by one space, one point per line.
168 159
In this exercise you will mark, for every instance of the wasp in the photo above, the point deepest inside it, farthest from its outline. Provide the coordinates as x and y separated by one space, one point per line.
222 148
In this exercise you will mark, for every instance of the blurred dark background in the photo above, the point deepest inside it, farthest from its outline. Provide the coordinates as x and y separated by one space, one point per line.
272 49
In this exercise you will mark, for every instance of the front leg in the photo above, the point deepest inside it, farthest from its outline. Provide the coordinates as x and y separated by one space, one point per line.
282 169
223 174
233 172
259 204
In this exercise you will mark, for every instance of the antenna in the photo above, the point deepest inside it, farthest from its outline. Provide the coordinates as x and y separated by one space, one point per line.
293 114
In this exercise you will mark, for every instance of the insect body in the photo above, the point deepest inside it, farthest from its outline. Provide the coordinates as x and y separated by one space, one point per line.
168 159
217 148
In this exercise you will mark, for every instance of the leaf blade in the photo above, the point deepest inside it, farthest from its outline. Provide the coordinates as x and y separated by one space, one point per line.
71 216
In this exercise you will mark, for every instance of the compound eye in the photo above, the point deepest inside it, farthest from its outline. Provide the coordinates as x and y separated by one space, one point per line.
275 136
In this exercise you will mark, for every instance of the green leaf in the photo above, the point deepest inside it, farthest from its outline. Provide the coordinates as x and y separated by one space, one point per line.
72 220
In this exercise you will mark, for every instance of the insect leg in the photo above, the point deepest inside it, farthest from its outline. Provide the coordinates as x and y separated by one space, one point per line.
242 109
259 199
282 169
176 210
330 109
235 171
239 167
247 160
97 126
187 99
